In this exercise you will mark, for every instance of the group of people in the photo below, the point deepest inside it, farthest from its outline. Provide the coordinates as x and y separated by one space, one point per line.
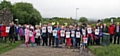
61 35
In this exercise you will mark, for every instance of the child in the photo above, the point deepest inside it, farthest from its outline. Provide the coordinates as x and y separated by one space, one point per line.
68 37
21 33
55 34
37 36
73 40
62 35
77 35
84 37
84 41
31 35
44 35
89 32
27 35
50 28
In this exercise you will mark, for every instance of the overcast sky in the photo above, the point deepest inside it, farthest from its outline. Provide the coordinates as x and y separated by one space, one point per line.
92 9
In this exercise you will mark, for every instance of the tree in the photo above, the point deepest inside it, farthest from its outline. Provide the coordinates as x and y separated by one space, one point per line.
83 19
26 13
5 4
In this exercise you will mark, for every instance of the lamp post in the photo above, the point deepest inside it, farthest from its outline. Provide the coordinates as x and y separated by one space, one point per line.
76 12
16 20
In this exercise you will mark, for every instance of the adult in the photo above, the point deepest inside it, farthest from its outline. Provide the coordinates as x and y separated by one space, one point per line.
97 34
104 30
111 31
38 35
77 36
3 32
50 28
44 35
117 33
27 35
12 32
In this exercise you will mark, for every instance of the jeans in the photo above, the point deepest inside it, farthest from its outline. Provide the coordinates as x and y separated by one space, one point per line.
73 41
56 41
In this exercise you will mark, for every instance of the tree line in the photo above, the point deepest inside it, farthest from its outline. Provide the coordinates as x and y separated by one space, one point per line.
24 12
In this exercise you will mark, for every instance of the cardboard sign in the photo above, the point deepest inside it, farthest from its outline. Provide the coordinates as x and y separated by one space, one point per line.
96 31
30 33
85 40
50 29
72 33
77 34
83 32
43 29
89 30
7 29
37 32
54 32
62 33
67 34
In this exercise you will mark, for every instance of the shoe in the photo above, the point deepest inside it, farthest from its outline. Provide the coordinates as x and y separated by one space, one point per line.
69 47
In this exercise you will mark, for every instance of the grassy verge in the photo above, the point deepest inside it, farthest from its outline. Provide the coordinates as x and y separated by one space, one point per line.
8 46
111 50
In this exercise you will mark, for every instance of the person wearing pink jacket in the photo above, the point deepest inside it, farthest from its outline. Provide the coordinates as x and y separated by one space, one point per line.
26 35
31 36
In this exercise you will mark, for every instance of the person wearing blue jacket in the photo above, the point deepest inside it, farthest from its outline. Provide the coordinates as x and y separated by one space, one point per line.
55 34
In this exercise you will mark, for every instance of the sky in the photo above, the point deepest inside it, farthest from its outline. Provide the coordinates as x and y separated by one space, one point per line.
91 9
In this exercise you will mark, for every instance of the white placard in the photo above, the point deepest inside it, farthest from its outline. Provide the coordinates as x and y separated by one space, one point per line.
54 32
96 31
67 34
30 33
83 32
43 29
85 40
72 33
7 29
49 29
89 30
77 34
62 33
37 32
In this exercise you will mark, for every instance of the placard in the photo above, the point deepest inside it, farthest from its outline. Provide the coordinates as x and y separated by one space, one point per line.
43 29
67 34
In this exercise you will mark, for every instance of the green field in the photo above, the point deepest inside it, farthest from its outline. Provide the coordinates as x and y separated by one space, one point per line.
8 46
111 50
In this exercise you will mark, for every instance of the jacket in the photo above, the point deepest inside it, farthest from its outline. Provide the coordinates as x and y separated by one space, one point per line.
3 31
111 29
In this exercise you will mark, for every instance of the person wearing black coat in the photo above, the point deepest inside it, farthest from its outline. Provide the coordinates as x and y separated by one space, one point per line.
78 36
117 33
12 32
44 35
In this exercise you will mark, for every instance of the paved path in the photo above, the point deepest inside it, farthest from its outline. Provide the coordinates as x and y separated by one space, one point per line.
43 51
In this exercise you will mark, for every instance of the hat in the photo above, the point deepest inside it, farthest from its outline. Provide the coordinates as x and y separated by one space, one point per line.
27 26
31 27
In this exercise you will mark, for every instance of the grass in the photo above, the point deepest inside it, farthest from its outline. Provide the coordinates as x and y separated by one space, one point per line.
111 50
8 46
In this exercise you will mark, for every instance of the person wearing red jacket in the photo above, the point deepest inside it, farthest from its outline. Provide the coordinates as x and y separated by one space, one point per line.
3 32
111 31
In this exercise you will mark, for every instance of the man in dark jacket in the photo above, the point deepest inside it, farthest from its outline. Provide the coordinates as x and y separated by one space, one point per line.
12 32
117 33
104 30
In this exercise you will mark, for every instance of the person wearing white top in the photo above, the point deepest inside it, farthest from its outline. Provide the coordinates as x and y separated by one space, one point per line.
50 36
78 36
38 35
89 32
